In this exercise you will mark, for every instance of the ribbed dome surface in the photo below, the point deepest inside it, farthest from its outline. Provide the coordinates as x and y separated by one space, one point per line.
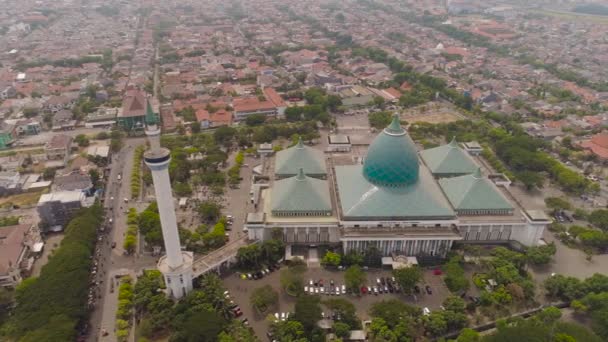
392 159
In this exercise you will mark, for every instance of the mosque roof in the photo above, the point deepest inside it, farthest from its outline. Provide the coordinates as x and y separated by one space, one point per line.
300 194
392 158
474 192
448 159
289 161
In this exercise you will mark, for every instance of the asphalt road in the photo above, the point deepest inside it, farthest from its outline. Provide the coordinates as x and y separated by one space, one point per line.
111 261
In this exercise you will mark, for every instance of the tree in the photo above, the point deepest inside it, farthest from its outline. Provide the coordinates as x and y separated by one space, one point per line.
342 330
48 173
393 311
209 211
407 278
531 179
564 287
352 258
129 244
289 330
102 136
203 326
468 335
436 324
331 259
346 310
43 312
379 120
455 278
94 175
599 218
557 203
549 315
354 277
308 312
255 119
195 127
540 255
454 303
81 140
292 281
263 298
293 114
249 256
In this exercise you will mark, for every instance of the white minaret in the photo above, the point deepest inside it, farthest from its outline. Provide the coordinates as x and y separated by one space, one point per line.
176 265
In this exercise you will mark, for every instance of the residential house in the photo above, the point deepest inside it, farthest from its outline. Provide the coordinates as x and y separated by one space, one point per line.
59 102
10 183
14 248
8 92
597 145
59 147
74 181
27 127
63 120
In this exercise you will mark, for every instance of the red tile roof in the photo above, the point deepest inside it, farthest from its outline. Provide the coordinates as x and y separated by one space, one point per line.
598 145
274 97
393 92
250 104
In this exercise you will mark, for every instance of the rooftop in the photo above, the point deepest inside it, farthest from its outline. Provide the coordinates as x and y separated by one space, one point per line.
448 159
392 159
62 196
11 246
301 194
290 161
474 192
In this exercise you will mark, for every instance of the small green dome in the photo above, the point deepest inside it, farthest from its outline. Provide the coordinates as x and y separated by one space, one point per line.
392 158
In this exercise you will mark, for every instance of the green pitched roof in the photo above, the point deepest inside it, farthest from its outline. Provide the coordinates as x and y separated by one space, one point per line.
474 192
361 199
448 159
300 194
289 161
151 118
392 158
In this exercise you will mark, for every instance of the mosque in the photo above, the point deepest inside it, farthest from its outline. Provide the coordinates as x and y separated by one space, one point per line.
399 200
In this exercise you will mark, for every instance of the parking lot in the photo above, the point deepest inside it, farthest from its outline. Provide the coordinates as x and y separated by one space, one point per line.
240 290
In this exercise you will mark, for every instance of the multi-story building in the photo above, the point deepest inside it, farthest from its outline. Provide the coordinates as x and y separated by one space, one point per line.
59 147
397 202
56 209
14 248
272 105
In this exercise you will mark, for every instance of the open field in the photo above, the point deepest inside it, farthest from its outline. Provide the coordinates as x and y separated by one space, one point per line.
28 198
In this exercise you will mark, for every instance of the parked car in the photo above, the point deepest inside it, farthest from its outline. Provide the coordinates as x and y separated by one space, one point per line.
363 289
428 290
375 290
416 289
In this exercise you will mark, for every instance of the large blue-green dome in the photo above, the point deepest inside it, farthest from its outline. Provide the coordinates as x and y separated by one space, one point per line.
392 159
